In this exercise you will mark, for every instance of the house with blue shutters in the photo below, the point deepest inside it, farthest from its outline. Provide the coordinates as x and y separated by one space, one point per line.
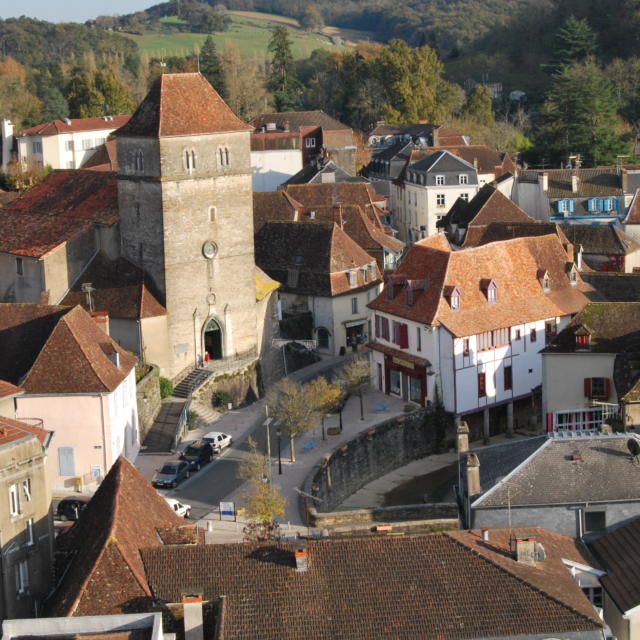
577 196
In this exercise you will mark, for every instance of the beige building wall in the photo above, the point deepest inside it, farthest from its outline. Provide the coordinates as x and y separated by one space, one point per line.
155 341
20 288
8 407
563 377
165 223
26 536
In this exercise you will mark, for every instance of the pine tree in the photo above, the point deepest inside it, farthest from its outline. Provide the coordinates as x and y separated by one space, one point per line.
282 81
575 41
579 117
211 67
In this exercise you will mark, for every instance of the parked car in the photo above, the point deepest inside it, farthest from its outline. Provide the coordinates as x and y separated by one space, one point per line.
199 452
180 508
171 473
69 508
218 441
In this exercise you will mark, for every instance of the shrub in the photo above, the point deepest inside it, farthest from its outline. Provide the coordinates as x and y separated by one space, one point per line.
166 387
221 398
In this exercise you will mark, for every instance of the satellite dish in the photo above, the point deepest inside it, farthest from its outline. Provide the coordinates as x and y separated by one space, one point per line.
634 447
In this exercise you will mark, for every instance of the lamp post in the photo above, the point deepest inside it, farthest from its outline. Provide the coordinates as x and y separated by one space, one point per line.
278 435
340 418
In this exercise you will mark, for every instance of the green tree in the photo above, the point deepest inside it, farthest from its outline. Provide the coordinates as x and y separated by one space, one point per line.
579 117
54 106
311 19
479 106
575 41
98 94
282 81
211 66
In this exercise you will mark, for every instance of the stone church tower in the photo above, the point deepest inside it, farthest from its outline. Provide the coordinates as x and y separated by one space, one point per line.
186 218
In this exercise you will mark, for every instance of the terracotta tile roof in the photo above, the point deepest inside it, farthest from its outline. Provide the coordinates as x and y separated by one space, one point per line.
7 389
271 206
104 159
58 350
633 213
275 141
496 231
602 239
63 205
613 287
103 572
618 552
320 253
314 174
603 473
12 430
513 264
120 288
445 585
56 127
181 104
592 183
316 195
296 120
133 634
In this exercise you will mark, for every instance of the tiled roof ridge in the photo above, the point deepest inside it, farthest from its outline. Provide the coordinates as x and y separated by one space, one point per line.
630 218
73 313
522 580
24 427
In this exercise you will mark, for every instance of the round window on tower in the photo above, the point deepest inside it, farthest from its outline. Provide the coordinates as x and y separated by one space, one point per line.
209 249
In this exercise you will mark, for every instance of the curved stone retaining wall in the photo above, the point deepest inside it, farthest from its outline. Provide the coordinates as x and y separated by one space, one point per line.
370 455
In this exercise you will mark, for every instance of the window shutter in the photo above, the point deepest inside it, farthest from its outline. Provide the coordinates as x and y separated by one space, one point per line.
404 336
378 323
601 205
607 388
559 206
590 204
616 203
570 206
587 387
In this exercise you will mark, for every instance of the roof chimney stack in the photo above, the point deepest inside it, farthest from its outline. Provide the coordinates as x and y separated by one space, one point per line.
526 551
473 474
435 137
624 174
193 622
302 560
543 181
574 182
463 437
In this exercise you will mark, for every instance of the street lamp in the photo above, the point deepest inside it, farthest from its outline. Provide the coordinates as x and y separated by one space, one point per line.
340 417
278 435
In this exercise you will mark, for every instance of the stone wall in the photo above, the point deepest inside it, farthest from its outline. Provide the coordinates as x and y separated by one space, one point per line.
148 401
242 385
372 454
432 517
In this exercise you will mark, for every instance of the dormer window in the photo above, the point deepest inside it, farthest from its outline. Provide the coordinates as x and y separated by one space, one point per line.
583 342
408 296
138 160
452 296
439 180
372 270
490 288
389 289
564 206
572 273
353 278
463 178
364 273
544 280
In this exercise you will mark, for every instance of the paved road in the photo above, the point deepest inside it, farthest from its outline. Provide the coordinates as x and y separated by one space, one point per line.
218 480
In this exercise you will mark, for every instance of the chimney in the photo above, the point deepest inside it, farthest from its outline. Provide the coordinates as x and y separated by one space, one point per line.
287 126
435 137
475 163
327 177
463 437
302 560
574 182
578 250
193 623
101 318
543 181
526 550
473 475
625 180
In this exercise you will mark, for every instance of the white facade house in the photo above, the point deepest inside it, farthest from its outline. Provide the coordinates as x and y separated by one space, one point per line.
428 190
65 144
467 327
275 157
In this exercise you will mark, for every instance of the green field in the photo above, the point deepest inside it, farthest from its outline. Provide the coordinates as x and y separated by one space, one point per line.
249 35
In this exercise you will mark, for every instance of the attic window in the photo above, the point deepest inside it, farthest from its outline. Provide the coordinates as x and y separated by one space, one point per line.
372 269
490 288
353 278
573 273
463 178
439 180
583 342
364 273
452 295
544 280
409 296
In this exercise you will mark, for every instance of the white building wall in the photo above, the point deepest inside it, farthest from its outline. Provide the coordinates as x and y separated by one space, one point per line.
122 420
271 168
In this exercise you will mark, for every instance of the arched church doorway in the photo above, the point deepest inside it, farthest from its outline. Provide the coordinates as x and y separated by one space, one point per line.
213 339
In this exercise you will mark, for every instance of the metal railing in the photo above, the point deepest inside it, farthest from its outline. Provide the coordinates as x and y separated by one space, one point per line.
584 418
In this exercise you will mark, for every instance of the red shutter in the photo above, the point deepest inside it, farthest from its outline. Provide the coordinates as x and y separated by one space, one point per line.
607 388
385 328
404 336
378 323
587 387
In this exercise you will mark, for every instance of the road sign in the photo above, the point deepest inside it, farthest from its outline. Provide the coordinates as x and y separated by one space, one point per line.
227 509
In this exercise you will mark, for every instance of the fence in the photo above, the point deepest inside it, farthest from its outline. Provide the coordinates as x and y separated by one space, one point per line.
585 418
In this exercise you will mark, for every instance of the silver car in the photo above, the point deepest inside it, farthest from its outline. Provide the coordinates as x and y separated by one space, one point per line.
171 474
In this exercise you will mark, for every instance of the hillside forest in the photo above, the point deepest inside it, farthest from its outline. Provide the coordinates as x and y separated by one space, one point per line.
547 80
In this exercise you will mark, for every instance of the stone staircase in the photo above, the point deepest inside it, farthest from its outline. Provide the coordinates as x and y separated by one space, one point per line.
194 380
207 415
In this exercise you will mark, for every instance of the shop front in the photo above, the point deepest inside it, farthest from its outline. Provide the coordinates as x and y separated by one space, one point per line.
356 331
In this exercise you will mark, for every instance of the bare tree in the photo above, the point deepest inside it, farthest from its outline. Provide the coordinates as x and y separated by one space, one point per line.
355 377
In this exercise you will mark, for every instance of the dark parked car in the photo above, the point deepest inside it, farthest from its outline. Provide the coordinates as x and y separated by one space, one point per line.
69 508
171 473
198 453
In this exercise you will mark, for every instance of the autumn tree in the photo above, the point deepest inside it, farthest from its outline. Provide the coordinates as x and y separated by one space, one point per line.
479 106
17 103
98 94
282 81
326 396
293 405
211 66
245 87
311 18
354 378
